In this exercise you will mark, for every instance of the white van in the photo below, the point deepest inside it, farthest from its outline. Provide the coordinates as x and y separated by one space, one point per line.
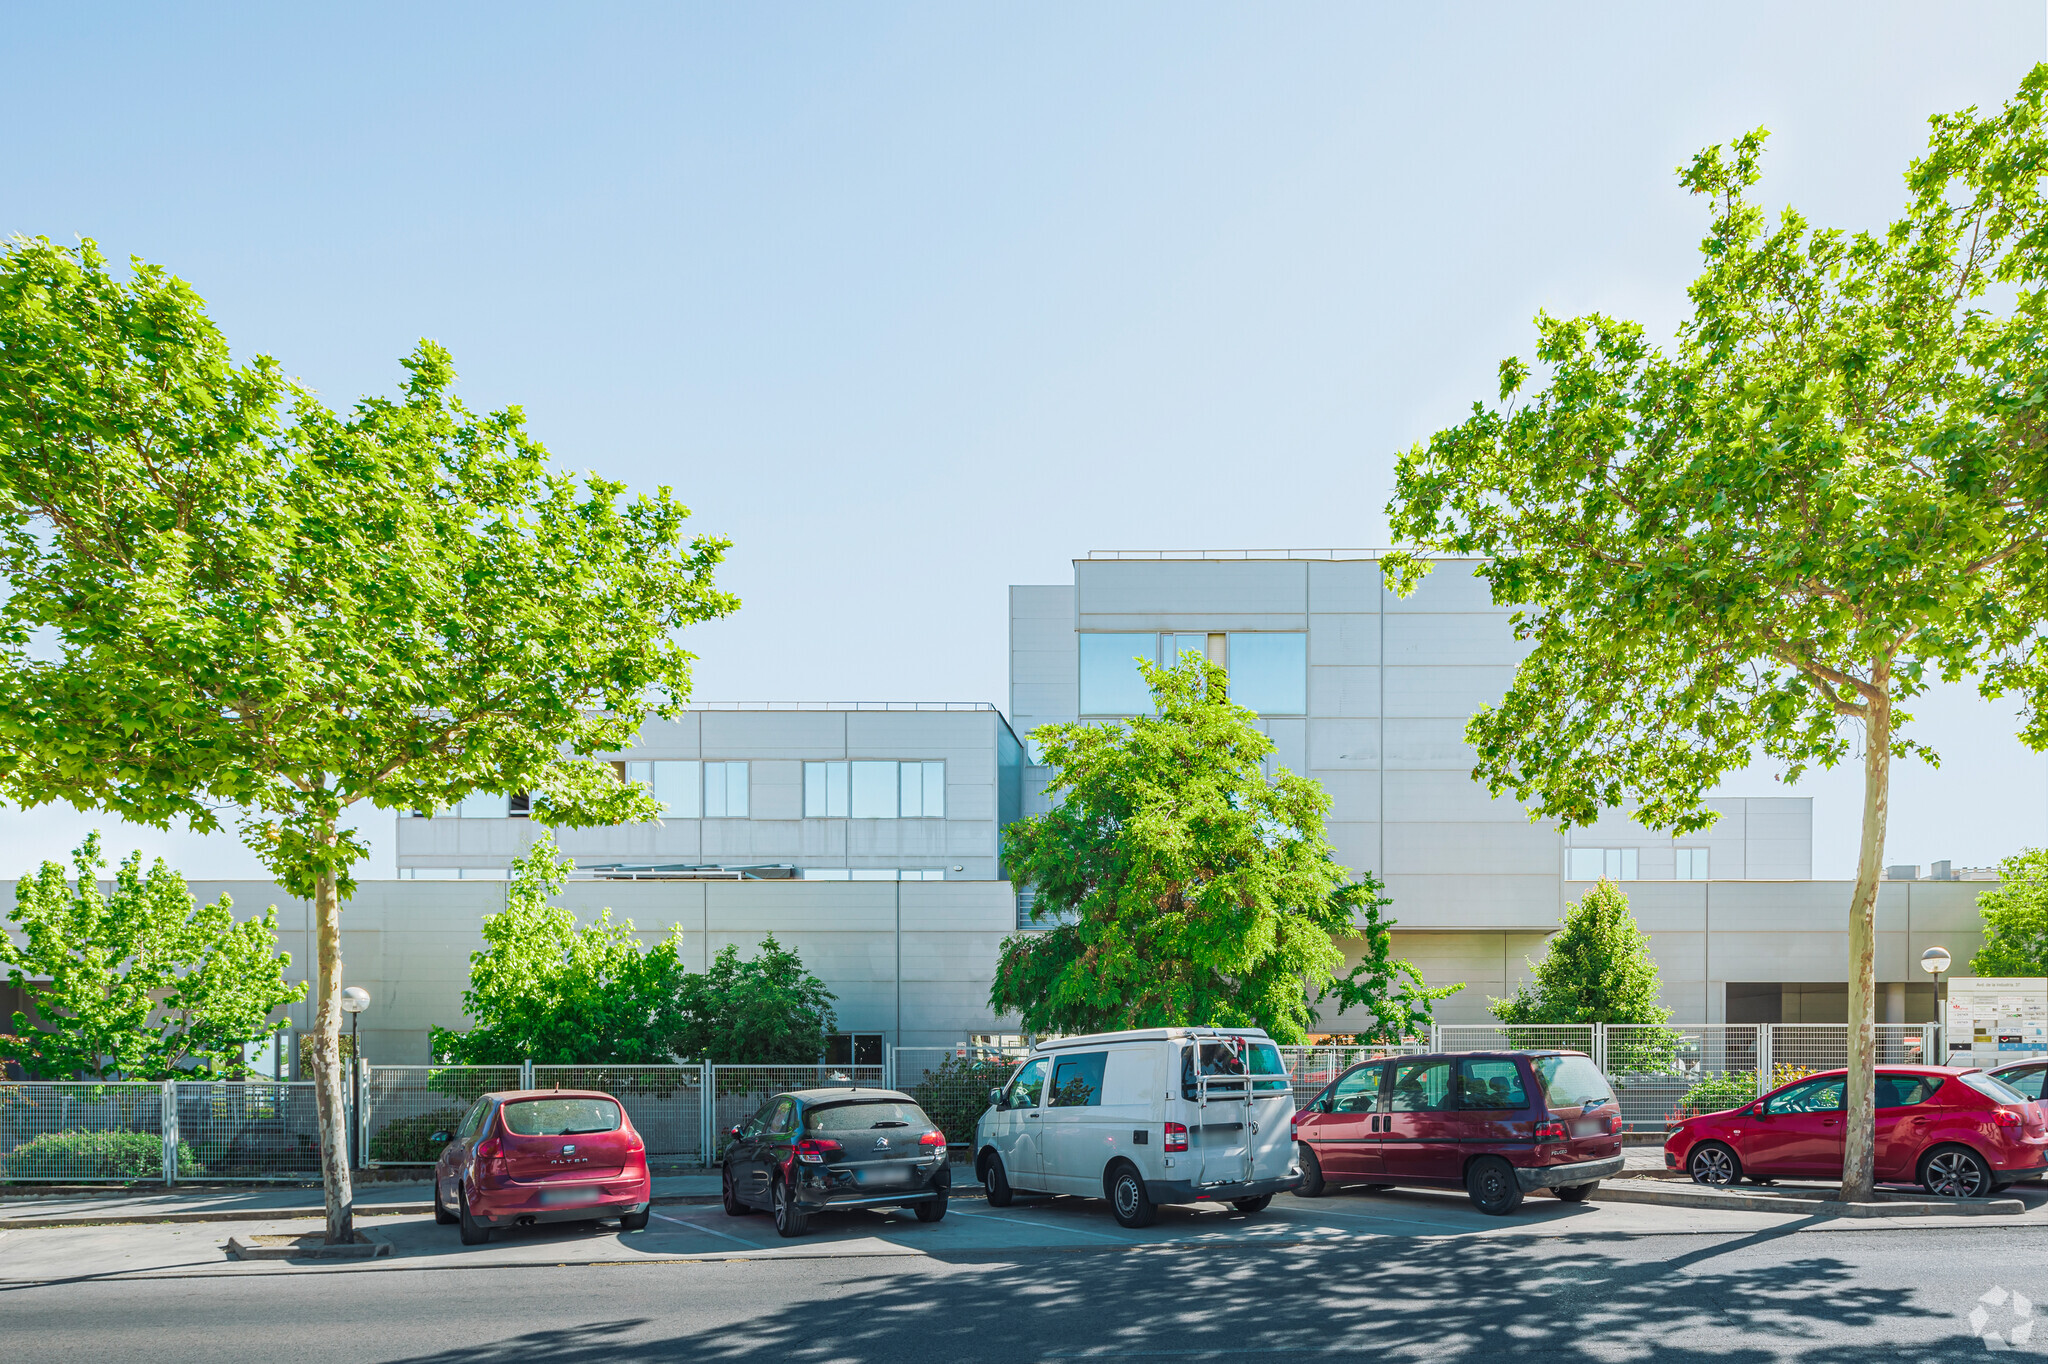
1159 1115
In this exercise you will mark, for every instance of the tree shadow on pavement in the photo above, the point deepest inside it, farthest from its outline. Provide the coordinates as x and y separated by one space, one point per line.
1728 1299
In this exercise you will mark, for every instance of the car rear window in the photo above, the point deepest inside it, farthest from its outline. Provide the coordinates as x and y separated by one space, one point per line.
560 1117
1571 1081
2027 1082
863 1117
1993 1088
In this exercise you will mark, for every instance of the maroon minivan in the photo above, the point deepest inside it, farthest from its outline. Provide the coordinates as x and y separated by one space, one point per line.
1497 1124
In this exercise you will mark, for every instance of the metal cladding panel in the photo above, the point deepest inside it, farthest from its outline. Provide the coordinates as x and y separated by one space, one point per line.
1355 845
973 906
1492 848
1667 906
1343 641
1447 691
659 738
1290 743
773 733
1448 795
822 838
1176 589
1777 859
769 906
752 840
1346 585
1354 794
924 839
775 789
1036 704
1452 640
1940 906
1451 585
1338 744
1453 900
671 840
1043 602
1044 667
1343 693
1426 744
922 734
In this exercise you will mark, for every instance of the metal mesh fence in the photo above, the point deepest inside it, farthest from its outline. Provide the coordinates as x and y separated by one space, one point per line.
1803 1048
739 1090
403 1106
1662 1072
1309 1069
82 1133
951 1084
1521 1037
665 1103
257 1130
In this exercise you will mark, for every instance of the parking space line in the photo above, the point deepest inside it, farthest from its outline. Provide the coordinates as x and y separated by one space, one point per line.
992 1217
699 1226
1382 1217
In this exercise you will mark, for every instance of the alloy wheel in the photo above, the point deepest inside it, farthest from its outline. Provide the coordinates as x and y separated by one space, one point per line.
1955 1174
1712 1165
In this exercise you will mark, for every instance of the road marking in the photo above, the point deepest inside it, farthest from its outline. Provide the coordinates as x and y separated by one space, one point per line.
1382 1217
699 1226
1017 1221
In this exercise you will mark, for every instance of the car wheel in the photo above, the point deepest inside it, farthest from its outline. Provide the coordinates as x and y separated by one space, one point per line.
996 1181
474 1233
1128 1200
1713 1163
790 1218
634 1221
1576 1193
1495 1190
1312 1185
1955 1172
442 1217
729 1194
1252 1205
932 1209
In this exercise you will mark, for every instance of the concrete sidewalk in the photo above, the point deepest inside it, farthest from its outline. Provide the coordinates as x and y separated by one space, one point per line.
219 1203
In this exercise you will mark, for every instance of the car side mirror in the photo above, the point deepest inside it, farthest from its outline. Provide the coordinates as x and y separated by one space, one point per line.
441 1138
734 1133
995 1098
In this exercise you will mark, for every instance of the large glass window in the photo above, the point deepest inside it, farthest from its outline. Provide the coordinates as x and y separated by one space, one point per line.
482 805
1692 864
1592 864
1077 1081
1491 1084
1358 1092
677 785
1420 1087
875 790
1110 681
1269 672
825 790
725 790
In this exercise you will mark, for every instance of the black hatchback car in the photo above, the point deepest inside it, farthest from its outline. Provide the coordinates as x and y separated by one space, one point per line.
815 1149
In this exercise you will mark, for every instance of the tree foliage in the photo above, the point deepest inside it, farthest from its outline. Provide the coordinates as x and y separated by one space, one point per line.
765 1010
548 990
1766 536
1199 891
143 984
2015 915
241 598
1596 969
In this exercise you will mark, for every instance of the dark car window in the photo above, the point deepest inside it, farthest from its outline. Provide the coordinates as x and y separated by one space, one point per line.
865 1116
783 1122
1358 1092
1571 1081
1903 1091
560 1117
2027 1082
473 1121
1494 1084
1812 1096
1420 1087
1024 1086
1077 1081
756 1125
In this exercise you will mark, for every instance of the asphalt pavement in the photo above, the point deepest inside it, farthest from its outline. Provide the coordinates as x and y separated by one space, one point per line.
1402 1275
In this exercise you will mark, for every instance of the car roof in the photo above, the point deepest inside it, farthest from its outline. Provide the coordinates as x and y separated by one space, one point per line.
511 1095
1097 1039
847 1094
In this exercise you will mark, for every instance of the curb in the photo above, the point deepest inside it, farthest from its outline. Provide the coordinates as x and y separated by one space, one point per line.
109 1219
365 1248
1813 1205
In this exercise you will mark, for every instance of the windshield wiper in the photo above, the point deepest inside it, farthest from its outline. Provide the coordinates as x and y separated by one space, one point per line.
584 1131
890 1122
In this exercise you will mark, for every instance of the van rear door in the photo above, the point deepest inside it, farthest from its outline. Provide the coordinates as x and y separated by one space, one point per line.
1272 1112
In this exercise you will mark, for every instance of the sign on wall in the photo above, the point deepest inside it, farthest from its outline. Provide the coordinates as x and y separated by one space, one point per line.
1996 1019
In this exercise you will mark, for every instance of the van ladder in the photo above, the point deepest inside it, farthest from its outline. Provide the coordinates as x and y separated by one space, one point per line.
1225 1093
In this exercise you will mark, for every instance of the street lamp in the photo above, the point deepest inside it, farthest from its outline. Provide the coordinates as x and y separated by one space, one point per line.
355 999
1934 961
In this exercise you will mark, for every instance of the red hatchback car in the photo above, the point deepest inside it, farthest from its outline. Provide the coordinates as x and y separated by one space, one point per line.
1496 1124
547 1155
1958 1133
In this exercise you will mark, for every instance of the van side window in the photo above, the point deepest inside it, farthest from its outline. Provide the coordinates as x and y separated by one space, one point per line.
1358 1092
1420 1087
1024 1086
1077 1081
1495 1084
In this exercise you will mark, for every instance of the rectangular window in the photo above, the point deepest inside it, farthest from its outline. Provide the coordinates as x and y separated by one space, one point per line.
675 784
934 789
482 805
725 790
1269 672
1077 1081
1420 1087
827 874
921 790
1110 681
1592 864
1171 647
825 790
1491 1084
853 1049
874 790
1692 864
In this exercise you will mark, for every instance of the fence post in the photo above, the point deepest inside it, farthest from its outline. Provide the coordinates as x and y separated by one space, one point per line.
526 1075
1763 1058
1436 1032
889 1066
1927 1045
708 1117
1600 1046
168 1118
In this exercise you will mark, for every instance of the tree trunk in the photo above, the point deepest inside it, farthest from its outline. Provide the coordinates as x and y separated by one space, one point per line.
1859 1119
327 1084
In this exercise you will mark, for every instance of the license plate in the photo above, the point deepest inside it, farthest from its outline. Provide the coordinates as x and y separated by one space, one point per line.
1590 1127
886 1177
556 1198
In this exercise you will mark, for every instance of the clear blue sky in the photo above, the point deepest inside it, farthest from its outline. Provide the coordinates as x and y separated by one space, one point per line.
916 302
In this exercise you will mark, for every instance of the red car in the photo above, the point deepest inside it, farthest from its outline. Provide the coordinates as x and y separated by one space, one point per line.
1958 1133
1496 1124
541 1155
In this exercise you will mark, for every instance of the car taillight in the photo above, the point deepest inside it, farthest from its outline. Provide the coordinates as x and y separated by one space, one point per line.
1294 1126
932 1139
634 1146
2005 1117
490 1148
1550 1131
1176 1137
817 1150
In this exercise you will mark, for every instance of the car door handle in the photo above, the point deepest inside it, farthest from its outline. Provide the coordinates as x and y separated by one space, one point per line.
1030 1115
1830 1122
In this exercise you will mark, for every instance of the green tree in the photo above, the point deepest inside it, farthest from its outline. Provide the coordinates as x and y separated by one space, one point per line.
2015 914
767 1010
1767 536
548 991
1597 969
142 984
1199 891
240 599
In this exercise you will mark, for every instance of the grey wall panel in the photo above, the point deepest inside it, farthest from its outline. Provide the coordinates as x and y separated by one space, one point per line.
775 789
1779 859
1356 845
1343 692
1038 704
1667 906
1338 744
1450 795
1043 667
660 738
1428 744
1190 588
1344 641
1289 734
772 734
1439 640
1344 585
1450 586
1354 794
1451 900
1493 848
1447 692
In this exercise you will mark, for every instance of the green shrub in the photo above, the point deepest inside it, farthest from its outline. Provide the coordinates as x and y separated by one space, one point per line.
410 1140
955 1095
97 1155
